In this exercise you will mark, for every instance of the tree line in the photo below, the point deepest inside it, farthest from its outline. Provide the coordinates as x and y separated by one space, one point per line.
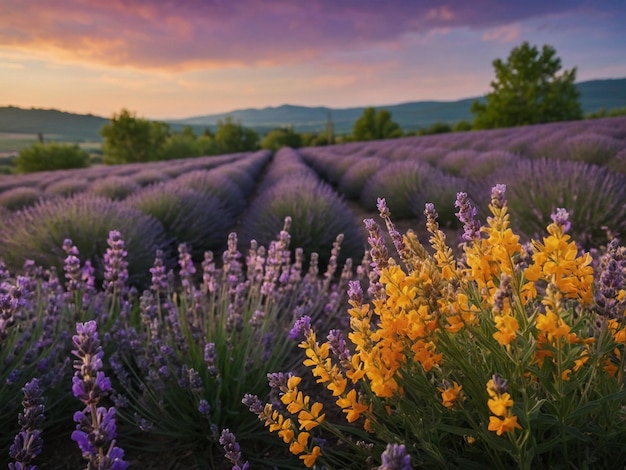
529 88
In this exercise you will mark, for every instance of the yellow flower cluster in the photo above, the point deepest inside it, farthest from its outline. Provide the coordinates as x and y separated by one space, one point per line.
297 434
500 404
450 394
555 261
329 374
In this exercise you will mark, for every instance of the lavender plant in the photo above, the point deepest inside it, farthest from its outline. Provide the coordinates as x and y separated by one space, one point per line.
33 344
187 216
67 187
593 196
20 198
318 215
28 442
197 350
38 233
114 187
354 178
96 430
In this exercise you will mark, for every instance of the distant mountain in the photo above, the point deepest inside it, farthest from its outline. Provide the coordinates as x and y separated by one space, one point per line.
595 94
59 125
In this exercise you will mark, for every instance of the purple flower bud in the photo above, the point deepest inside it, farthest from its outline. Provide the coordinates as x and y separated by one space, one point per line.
395 458
561 218
301 327
467 216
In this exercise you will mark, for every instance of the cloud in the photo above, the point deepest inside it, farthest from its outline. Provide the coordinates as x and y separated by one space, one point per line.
209 33
506 34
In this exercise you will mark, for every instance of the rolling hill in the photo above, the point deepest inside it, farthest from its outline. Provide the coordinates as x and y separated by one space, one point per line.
59 125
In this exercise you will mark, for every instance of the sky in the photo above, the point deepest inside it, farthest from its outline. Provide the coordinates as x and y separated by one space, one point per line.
167 59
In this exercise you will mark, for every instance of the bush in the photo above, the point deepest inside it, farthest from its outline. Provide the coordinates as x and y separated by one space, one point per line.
500 359
19 198
592 148
594 197
213 183
67 187
318 214
455 161
352 182
398 183
196 219
51 156
149 176
114 187
485 163
38 233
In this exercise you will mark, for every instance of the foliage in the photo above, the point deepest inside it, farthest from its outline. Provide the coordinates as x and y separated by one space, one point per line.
68 186
435 128
354 178
51 156
215 184
127 139
603 113
114 187
33 343
232 137
592 148
592 195
375 125
281 137
528 89
318 215
197 219
194 352
400 183
502 358
20 197
37 233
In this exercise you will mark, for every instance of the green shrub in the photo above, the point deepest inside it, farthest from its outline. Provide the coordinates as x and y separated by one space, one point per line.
51 156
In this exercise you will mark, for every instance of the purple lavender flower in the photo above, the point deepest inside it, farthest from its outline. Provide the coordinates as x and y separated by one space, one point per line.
210 357
338 347
498 199
467 216
561 218
28 442
253 403
232 450
204 408
301 327
612 279
395 457
378 251
187 269
95 426
71 266
115 265
159 273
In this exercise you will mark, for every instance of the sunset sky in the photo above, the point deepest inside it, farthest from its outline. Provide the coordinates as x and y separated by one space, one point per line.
173 59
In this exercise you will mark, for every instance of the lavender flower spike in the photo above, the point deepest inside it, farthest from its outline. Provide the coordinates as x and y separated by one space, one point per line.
232 450
561 219
95 426
467 216
28 443
395 458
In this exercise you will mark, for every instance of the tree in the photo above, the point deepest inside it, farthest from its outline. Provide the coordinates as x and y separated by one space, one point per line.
51 156
130 139
374 125
528 90
278 138
232 137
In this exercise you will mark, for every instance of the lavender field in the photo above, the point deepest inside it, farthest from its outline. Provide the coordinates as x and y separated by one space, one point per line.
143 306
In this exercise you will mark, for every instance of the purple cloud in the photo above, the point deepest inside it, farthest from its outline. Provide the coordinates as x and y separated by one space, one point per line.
205 33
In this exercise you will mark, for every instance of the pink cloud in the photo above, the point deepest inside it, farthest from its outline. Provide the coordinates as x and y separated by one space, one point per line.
205 33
